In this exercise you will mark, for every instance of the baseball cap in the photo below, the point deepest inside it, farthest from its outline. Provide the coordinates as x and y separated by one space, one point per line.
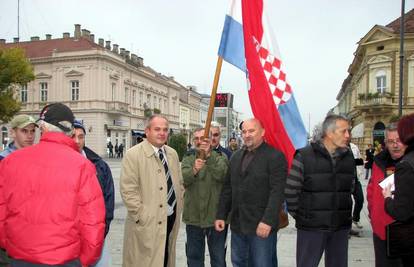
56 114
77 124
21 121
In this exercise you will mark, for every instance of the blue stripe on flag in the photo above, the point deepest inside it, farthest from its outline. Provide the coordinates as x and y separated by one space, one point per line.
293 123
232 44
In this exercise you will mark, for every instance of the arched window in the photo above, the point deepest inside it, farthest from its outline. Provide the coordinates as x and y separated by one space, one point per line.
381 79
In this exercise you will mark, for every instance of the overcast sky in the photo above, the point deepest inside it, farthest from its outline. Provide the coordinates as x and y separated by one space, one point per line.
180 38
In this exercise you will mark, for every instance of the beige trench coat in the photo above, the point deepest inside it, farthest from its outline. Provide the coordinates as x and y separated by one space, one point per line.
143 189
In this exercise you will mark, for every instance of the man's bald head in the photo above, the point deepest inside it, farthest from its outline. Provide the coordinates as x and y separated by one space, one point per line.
252 133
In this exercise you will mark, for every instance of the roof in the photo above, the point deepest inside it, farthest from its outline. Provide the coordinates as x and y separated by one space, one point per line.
408 23
45 48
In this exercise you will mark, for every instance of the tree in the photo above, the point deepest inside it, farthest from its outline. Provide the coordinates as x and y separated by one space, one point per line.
15 69
179 143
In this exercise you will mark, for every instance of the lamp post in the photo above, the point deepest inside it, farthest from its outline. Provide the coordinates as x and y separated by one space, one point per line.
400 99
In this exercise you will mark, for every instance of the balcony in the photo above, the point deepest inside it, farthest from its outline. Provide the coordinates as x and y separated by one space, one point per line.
384 103
117 106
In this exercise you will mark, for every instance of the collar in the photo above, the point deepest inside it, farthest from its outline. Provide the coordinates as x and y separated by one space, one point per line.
156 149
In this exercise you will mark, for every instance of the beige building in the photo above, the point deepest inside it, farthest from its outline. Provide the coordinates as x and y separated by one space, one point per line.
370 93
108 88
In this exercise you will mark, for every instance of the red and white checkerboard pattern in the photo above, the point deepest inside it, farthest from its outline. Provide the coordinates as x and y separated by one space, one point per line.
275 75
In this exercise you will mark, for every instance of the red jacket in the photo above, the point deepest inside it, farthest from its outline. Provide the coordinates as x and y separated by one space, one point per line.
51 205
379 218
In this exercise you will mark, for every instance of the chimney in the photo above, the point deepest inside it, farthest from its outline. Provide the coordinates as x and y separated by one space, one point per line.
134 58
140 61
92 37
101 42
85 33
77 31
66 35
115 48
108 45
34 38
48 36
2 41
122 53
15 39
127 54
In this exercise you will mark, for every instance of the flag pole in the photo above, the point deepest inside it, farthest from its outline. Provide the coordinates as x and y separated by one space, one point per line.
212 100
213 97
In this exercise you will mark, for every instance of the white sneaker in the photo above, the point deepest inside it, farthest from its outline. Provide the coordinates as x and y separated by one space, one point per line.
358 224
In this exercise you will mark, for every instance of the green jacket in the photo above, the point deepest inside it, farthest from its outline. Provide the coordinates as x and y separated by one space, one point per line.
202 192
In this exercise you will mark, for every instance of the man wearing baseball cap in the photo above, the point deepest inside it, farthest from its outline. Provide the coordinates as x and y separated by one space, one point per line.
104 175
51 205
23 129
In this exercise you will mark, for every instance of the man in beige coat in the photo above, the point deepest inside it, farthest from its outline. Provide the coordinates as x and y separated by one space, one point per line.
150 187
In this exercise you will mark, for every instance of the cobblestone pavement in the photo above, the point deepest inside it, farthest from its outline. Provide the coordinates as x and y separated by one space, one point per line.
360 248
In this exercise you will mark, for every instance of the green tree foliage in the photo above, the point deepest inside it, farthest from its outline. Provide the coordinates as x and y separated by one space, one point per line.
179 143
15 69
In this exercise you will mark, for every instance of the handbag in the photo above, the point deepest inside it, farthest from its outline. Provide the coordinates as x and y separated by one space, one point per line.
283 218
400 238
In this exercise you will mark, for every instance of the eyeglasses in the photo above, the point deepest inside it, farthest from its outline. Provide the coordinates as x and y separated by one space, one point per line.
215 134
394 142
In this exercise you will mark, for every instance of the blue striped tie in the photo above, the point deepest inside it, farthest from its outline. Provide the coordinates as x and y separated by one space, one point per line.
171 200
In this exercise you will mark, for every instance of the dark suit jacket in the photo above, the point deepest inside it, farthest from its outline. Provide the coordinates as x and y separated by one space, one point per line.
255 195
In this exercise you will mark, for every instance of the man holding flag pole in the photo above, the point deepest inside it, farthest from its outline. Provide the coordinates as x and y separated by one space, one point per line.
248 44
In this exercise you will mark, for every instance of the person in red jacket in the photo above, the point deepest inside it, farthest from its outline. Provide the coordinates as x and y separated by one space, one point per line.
384 165
51 205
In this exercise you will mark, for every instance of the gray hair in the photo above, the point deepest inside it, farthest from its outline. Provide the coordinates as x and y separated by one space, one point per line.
392 127
53 128
152 117
216 125
329 124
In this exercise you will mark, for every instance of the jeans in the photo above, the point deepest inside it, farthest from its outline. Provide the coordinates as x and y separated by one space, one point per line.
195 246
253 251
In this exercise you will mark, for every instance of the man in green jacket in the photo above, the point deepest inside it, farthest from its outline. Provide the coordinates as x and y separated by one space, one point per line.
203 179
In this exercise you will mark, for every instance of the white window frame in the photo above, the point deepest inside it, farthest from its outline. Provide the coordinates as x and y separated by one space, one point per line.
74 90
23 93
43 91
381 81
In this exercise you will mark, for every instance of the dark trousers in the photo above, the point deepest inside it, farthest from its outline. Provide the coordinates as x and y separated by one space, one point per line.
358 201
195 246
170 225
20 263
253 251
408 261
310 246
381 258
4 259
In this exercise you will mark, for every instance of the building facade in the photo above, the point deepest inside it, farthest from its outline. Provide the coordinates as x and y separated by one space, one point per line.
111 91
369 96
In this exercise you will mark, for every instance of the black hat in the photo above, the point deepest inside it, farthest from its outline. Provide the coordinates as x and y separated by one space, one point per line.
57 113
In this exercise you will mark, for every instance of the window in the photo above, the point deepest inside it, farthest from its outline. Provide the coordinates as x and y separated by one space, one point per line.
74 88
113 91
381 81
155 102
134 96
127 95
43 91
148 101
141 97
165 106
159 103
23 93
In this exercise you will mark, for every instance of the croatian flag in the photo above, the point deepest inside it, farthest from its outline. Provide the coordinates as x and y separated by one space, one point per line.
247 43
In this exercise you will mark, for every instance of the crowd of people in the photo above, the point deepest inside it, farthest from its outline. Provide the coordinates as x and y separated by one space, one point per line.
57 196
